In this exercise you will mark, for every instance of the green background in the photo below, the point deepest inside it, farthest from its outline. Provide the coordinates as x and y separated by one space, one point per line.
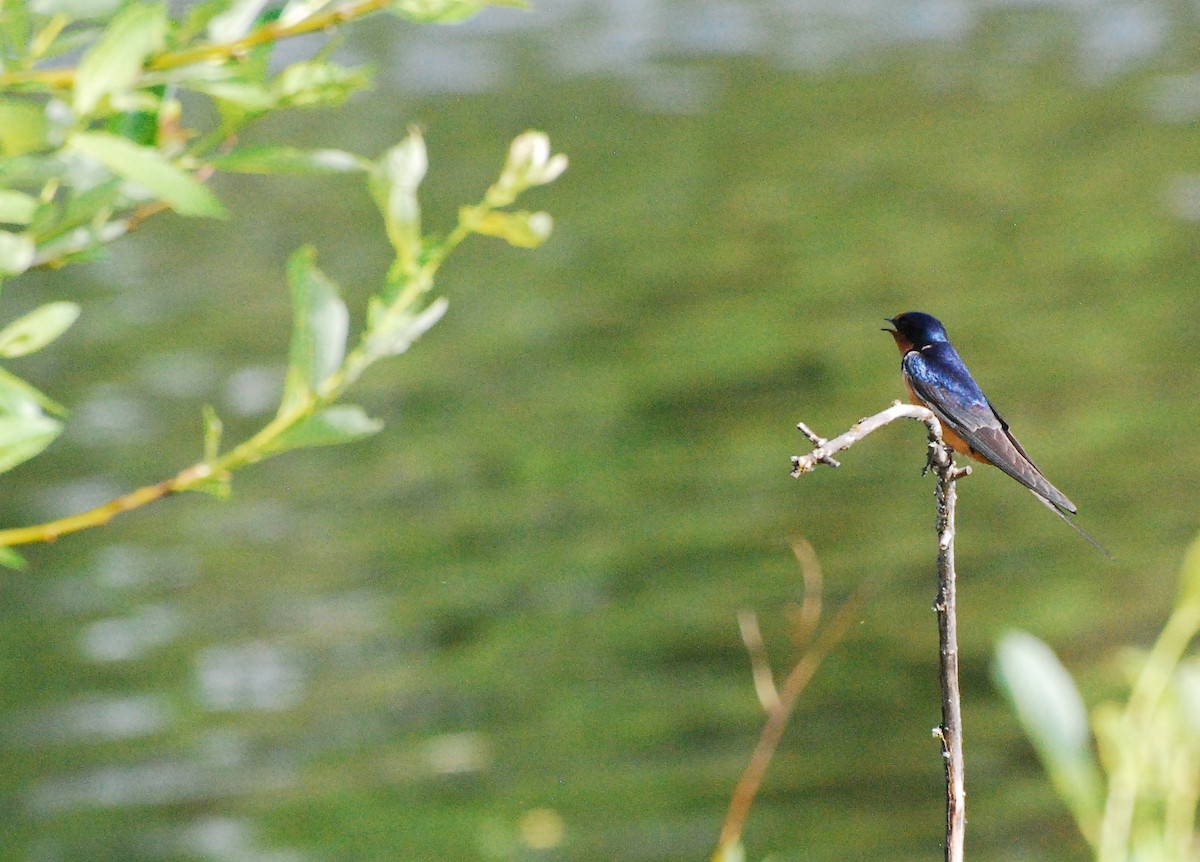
522 595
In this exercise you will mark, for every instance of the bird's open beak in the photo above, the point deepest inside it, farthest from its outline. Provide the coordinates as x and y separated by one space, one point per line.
902 341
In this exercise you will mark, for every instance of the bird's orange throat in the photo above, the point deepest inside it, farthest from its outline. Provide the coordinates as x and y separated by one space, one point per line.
901 342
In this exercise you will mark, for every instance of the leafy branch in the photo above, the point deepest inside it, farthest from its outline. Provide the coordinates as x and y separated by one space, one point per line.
232 32
320 369
89 152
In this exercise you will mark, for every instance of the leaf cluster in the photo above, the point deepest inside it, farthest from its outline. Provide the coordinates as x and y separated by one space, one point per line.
1131 781
87 152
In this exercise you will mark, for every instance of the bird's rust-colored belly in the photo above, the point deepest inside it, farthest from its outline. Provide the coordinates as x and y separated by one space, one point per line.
951 439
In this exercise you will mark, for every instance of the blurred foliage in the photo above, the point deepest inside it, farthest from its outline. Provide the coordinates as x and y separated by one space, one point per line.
1137 800
90 151
592 476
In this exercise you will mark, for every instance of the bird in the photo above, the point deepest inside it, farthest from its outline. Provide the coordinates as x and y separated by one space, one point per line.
937 378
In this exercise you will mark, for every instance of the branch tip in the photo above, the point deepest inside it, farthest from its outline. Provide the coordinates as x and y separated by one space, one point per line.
764 679
816 439
825 449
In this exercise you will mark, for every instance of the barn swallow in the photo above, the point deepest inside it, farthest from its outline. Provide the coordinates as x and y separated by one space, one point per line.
937 378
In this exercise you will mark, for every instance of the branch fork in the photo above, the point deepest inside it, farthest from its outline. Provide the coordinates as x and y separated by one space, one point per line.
939 459
939 455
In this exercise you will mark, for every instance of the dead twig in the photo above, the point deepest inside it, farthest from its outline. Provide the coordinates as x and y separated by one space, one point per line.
941 460
804 618
760 668
779 703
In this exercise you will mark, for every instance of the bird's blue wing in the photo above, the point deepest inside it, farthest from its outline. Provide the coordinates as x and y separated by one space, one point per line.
941 380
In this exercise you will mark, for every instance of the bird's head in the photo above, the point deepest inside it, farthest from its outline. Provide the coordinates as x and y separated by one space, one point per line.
915 330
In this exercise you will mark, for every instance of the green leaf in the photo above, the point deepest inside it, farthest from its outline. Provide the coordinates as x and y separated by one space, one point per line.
61 245
73 40
220 487
91 208
238 97
148 168
22 127
393 334
16 25
297 10
1051 711
314 82
38 328
22 437
16 253
289 160
24 429
341 423
320 324
46 36
1189 576
76 8
140 127
394 187
17 207
235 22
198 17
213 428
444 11
10 559
113 64
522 229
15 398
19 396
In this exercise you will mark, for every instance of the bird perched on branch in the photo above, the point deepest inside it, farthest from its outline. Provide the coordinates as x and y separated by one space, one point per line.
937 378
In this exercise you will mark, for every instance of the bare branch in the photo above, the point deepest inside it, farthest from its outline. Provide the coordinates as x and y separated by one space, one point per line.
826 449
950 731
817 441
941 460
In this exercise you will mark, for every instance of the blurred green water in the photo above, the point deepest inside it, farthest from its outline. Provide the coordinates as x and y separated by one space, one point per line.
522 595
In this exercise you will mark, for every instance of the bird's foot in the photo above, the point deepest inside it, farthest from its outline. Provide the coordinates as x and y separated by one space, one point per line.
936 458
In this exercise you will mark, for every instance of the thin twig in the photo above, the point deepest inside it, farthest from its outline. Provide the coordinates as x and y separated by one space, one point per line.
826 449
818 442
805 618
777 719
779 713
941 460
760 668
185 480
